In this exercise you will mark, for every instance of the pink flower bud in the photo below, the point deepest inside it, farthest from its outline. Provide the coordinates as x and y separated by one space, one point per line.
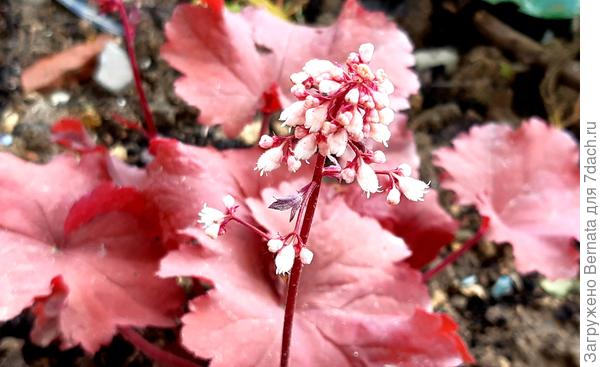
353 58
356 124
372 116
299 91
379 157
366 52
306 256
348 175
393 197
265 142
328 128
306 147
344 118
311 102
300 132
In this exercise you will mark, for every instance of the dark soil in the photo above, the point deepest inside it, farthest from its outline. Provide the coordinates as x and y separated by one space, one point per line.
526 328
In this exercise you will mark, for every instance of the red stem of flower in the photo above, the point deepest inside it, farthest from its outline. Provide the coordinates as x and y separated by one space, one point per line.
250 226
153 352
129 33
294 282
483 228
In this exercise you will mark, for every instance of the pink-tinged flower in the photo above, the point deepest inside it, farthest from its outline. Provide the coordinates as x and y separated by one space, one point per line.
293 164
293 115
285 259
266 142
306 147
367 178
348 175
270 160
229 202
337 142
306 256
393 196
211 220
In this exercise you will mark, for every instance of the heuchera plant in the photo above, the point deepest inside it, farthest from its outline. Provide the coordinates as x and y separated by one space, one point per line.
340 108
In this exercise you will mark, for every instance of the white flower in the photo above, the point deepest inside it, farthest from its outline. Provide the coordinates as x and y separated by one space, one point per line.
285 259
348 175
274 244
356 125
337 142
228 201
366 52
306 256
379 157
393 197
381 100
367 178
211 220
293 114
380 133
306 147
316 67
315 117
386 116
412 188
405 169
298 78
265 142
328 87
352 96
293 164
270 160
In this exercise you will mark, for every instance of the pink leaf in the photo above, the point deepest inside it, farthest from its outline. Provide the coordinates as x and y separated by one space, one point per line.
102 245
233 64
356 306
527 182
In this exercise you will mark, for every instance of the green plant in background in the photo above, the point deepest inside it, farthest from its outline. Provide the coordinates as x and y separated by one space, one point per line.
548 9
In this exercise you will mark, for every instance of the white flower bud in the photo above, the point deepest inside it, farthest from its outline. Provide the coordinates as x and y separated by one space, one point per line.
352 96
353 58
380 133
298 90
316 67
348 175
300 132
328 128
315 117
379 157
328 87
285 259
405 169
293 164
265 142
270 160
356 124
211 220
412 188
306 256
367 178
381 100
274 244
337 142
393 196
386 86
386 116
293 115
306 147
365 72
228 201
298 78
372 116
366 52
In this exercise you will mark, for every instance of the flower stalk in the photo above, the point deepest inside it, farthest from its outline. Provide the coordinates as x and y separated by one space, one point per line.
294 281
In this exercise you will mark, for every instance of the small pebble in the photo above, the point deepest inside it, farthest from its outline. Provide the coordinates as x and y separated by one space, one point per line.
10 119
6 140
475 290
504 286
59 97
558 288
113 71
468 281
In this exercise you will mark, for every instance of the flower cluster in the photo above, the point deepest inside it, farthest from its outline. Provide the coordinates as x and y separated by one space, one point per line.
212 220
339 109
286 253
